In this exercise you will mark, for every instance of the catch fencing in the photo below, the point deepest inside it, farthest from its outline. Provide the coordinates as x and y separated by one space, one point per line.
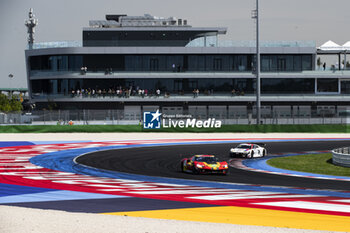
116 117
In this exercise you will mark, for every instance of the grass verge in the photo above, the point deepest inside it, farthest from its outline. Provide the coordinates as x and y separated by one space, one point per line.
138 128
313 163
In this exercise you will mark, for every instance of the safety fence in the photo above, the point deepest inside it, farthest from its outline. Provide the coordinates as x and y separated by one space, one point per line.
132 116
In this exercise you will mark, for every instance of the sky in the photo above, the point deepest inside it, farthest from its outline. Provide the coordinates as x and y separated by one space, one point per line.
62 20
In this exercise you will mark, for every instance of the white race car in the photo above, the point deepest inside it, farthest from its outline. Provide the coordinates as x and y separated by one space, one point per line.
248 150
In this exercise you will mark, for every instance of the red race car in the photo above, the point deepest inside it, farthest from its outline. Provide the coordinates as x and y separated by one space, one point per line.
204 164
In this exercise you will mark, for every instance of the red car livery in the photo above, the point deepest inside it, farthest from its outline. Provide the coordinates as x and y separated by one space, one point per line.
204 164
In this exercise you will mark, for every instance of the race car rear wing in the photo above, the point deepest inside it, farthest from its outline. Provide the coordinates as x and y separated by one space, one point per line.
260 144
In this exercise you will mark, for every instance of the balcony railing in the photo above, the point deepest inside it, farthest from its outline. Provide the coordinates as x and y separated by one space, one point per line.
57 44
199 42
312 73
211 42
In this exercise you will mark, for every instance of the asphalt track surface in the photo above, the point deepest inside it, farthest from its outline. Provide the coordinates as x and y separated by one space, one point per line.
164 161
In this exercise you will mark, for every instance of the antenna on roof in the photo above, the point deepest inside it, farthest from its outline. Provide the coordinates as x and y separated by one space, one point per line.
30 24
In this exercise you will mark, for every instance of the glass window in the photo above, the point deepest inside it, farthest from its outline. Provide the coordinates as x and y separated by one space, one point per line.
265 63
133 63
287 86
153 64
306 62
217 64
75 62
281 63
297 63
289 63
196 62
345 87
273 63
240 63
40 63
327 85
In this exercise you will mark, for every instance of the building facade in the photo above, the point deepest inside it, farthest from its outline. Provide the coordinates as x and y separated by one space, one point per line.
138 63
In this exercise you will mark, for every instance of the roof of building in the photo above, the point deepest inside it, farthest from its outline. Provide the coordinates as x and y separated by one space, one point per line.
14 89
147 20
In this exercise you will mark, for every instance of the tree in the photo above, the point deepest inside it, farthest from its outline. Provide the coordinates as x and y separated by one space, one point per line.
10 105
15 104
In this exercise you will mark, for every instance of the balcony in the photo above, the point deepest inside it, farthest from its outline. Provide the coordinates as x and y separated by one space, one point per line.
35 74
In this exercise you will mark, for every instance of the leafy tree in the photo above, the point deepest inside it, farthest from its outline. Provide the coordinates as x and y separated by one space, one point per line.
9 105
15 104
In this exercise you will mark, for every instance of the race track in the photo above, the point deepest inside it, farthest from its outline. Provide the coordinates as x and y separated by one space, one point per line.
164 161
142 178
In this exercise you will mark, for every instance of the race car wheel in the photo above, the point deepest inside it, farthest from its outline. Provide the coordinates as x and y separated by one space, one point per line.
195 171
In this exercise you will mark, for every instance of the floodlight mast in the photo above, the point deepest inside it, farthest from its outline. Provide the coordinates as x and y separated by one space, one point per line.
258 102
255 15
30 24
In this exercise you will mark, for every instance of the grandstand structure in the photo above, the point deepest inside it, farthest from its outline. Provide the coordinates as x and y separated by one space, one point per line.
140 63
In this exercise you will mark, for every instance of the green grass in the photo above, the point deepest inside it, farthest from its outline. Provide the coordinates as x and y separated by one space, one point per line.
313 163
138 128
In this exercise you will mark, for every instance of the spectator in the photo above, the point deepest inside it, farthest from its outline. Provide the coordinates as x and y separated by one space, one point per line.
83 70
139 92
233 92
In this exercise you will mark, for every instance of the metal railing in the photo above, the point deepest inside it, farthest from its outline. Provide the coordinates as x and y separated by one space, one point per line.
121 116
57 44
211 41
